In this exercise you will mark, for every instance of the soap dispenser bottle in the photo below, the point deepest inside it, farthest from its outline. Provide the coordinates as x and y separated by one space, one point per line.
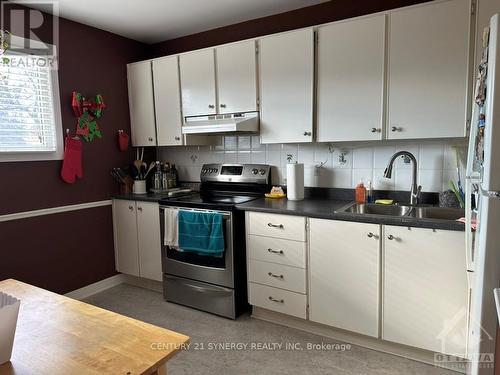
360 193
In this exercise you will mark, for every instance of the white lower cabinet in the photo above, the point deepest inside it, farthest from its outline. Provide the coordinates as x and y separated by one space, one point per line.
279 300
425 289
278 275
399 284
125 236
276 263
137 238
344 275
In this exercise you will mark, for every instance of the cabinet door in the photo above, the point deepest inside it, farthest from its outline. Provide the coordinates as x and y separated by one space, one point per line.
286 87
168 101
141 104
197 71
351 80
344 275
125 234
425 289
236 77
428 70
148 225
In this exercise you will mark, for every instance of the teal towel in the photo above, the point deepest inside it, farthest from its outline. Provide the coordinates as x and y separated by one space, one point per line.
201 232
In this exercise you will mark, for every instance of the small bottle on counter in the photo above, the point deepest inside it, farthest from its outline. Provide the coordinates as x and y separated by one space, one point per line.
175 176
165 176
360 193
369 193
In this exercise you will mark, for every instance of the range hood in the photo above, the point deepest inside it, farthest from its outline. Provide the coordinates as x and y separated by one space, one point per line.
247 122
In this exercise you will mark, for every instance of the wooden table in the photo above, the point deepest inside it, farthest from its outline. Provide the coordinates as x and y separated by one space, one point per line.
59 335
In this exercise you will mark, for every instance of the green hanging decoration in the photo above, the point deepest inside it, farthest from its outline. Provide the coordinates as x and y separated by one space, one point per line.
87 111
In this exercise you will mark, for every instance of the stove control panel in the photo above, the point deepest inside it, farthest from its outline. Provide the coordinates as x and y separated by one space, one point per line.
243 173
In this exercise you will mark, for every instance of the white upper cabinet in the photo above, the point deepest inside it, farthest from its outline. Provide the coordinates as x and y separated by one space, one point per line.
167 101
141 104
197 71
350 88
286 87
428 70
236 77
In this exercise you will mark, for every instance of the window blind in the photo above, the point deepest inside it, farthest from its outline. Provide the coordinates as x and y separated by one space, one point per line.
27 121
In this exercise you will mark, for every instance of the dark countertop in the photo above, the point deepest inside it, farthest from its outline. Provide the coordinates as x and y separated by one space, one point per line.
322 207
325 209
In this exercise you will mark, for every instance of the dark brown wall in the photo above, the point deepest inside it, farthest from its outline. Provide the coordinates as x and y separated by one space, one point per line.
63 252
60 252
309 16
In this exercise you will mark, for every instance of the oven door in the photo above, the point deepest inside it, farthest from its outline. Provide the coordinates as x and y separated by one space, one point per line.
214 270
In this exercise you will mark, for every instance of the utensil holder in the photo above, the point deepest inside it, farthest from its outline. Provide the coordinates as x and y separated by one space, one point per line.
9 311
139 187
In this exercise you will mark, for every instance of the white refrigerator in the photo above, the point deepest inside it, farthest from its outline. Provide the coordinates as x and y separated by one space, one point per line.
483 183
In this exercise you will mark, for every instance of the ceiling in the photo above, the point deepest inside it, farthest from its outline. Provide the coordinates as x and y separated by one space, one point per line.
153 21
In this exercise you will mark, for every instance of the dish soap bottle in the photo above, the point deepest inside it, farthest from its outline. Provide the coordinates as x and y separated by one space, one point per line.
369 192
360 193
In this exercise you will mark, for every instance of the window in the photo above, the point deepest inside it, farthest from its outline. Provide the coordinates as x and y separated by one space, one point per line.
30 125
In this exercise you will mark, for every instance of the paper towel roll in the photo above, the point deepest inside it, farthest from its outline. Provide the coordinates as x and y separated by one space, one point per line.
295 181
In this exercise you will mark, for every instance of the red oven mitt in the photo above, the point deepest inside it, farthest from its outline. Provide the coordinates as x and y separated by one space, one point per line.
72 164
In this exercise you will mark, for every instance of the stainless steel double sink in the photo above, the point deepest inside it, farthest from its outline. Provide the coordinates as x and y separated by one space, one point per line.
418 212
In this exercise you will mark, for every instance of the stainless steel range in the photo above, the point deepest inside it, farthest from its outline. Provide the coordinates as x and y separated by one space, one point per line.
209 283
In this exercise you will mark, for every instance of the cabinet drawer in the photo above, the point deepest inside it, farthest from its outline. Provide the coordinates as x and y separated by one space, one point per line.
278 226
278 275
266 249
279 300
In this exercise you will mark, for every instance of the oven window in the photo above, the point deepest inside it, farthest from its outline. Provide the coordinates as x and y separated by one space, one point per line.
195 259
231 170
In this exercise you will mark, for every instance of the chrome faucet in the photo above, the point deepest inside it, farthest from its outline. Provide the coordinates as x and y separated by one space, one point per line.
414 190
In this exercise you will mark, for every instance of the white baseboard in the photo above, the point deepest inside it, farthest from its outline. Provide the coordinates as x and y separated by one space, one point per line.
113 281
157 286
97 287
408 352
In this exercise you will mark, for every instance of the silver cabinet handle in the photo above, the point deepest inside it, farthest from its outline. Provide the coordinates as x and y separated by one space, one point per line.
211 106
275 251
139 209
274 275
131 208
376 130
271 225
396 129
177 138
371 235
390 237
307 134
276 300
223 106
150 139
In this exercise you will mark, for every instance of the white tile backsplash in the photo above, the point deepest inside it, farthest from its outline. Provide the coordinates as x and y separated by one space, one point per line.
382 155
430 179
431 156
367 161
244 157
362 158
244 143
